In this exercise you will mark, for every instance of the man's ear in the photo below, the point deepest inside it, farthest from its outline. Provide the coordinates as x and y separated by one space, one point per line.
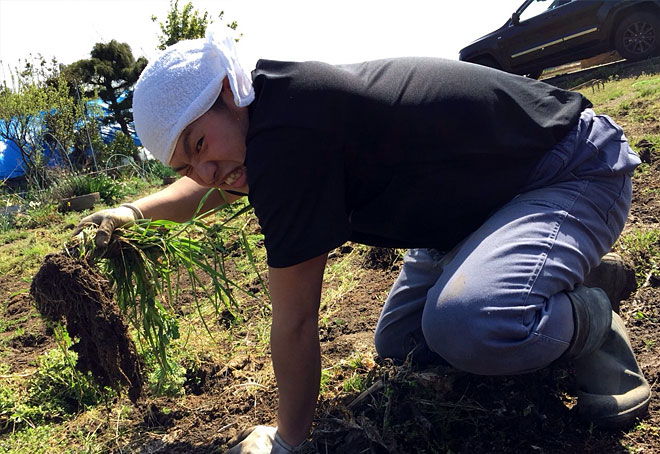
226 94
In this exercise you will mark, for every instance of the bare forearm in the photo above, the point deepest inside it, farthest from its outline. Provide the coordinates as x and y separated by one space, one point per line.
297 363
179 201
296 293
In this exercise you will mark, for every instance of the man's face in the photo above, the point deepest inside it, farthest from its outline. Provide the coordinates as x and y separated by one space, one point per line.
211 150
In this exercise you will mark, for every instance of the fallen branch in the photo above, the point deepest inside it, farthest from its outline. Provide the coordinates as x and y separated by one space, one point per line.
377 386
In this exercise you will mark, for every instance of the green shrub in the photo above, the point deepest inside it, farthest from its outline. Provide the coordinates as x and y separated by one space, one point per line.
72 186
157 169
77 185
109 189
121 147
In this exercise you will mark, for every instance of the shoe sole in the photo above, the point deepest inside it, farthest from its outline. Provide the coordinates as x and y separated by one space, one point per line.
624 419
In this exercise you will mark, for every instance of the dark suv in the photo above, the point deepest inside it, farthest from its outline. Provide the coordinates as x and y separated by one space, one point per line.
546 33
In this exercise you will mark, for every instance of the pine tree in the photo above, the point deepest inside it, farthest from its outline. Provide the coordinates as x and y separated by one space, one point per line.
112 71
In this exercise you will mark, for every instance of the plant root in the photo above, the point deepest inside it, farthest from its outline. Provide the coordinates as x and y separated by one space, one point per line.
69 290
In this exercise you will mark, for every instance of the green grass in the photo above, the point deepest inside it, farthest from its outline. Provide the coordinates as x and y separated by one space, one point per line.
344 275
11 325
50 438
643 247
23 256
12 235
32 440
54 392
647 87
355 384
632 102
350 375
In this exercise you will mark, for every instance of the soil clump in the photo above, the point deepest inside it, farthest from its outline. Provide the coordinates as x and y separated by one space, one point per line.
70 290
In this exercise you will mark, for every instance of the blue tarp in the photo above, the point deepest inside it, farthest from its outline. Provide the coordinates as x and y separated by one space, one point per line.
10 160
108 132
11 165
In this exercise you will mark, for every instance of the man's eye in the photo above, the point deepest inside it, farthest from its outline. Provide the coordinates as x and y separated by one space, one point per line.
198 146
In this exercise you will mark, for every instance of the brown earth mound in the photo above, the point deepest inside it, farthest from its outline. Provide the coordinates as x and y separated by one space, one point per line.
66 289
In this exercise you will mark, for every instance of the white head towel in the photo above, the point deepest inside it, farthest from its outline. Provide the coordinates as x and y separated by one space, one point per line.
182 84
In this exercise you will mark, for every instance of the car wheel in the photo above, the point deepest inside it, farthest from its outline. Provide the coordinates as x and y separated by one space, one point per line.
638 36
486 61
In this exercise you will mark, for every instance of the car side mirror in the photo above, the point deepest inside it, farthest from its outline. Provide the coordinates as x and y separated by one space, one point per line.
515 18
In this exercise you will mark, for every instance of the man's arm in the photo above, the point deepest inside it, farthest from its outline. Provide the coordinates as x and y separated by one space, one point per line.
178 201
294 339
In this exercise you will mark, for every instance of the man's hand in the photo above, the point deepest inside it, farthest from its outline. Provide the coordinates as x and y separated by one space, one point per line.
263 440
109 220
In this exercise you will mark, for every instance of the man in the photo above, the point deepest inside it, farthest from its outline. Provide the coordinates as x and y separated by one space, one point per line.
506 190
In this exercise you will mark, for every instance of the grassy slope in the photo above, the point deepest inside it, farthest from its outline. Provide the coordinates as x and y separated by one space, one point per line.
633 102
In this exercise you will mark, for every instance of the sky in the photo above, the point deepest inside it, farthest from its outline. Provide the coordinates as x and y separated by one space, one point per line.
337 31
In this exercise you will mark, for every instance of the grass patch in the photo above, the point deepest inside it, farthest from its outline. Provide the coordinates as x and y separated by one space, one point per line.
24 255
32 440
12 235
642 246
647 87
55 438
631 102
344 275
54 392
351 375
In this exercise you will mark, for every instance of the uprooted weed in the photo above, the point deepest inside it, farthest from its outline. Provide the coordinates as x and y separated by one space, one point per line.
70 290
141 269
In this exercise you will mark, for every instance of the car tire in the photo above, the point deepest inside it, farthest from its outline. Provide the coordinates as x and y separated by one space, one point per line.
638 36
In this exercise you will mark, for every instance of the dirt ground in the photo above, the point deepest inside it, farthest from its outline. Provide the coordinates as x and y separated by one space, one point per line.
405 409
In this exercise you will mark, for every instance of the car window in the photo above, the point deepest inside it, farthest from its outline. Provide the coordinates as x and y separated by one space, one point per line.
558 3
539 7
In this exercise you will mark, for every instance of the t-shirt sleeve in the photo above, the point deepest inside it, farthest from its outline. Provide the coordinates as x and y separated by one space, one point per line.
296 181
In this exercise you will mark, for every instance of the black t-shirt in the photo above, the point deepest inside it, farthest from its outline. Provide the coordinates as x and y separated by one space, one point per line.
413 152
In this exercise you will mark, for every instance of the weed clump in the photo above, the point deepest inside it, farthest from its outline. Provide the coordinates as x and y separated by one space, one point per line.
70 290
134 281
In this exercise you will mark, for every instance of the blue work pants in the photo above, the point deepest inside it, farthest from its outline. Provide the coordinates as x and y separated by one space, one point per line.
497 304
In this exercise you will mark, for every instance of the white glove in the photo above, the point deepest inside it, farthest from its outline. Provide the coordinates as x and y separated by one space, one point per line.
109 220
264 440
